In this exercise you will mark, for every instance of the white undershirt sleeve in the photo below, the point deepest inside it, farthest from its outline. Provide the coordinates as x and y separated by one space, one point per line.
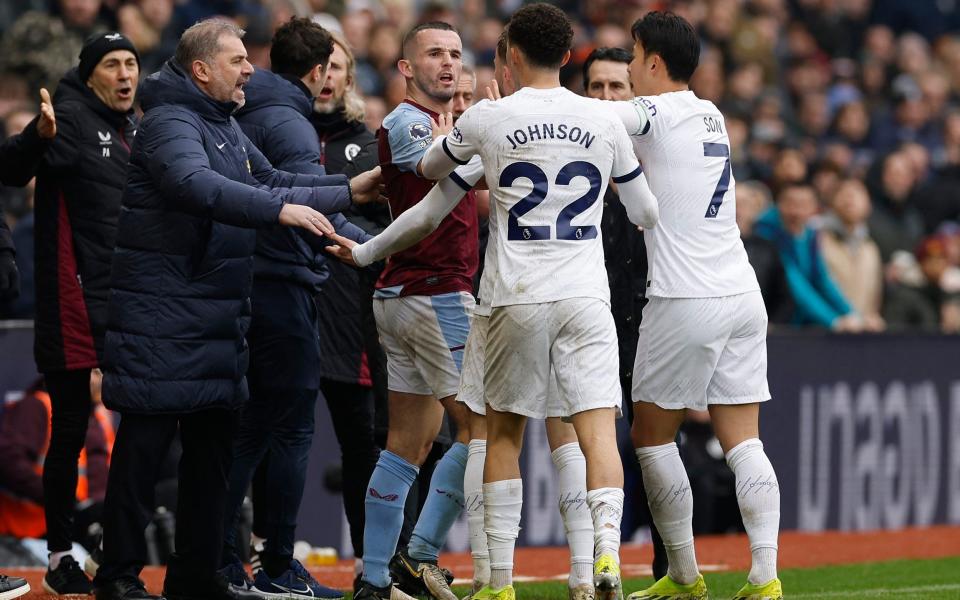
423 218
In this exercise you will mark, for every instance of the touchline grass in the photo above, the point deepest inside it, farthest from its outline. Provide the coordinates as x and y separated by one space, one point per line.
935 579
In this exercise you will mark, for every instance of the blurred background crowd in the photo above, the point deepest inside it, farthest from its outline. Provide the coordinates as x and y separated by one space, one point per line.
843 115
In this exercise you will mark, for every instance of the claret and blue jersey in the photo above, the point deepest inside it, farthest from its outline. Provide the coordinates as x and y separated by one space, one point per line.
446 260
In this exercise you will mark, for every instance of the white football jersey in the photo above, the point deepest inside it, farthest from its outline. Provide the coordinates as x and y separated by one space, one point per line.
695 250
547 155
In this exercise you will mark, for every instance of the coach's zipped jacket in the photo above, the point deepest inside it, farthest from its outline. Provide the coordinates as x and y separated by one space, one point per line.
275 119
76 207
183 265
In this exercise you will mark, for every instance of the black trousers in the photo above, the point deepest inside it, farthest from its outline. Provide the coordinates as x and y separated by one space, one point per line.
280 422
141 446
352 412
71 404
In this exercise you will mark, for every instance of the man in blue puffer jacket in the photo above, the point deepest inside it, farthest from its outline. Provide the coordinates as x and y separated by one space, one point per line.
284 375
179 304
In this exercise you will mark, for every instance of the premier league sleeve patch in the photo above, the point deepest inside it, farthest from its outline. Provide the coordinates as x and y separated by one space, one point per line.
419 131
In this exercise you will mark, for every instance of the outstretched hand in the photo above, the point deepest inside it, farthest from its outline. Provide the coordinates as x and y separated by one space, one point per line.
342 248
47 125
442 125
367 187
297 215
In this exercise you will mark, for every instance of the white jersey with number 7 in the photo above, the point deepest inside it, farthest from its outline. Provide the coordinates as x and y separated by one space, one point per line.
695 249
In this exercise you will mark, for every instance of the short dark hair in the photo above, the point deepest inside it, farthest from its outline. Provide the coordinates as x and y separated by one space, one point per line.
673 38
502 45
298 46
412 34
542 32
609 54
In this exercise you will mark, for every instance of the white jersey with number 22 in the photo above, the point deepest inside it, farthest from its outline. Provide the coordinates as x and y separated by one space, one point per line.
548 155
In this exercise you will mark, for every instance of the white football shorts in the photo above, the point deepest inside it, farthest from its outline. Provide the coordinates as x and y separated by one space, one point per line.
693 352
573 341
471 376
423 338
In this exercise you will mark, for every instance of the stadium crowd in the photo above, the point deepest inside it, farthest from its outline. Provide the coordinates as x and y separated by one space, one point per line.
842 114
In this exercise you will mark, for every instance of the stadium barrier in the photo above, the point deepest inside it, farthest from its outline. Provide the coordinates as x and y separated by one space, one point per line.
864 432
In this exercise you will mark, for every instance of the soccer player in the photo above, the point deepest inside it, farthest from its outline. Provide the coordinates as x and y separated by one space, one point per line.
411 227
421 307
703 338
606 76
550 300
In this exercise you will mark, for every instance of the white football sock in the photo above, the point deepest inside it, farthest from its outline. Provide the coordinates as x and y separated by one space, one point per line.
758 494
606 508
671 504
473 497
577 521
502 505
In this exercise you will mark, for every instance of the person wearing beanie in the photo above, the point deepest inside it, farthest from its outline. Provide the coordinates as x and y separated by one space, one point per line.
77 205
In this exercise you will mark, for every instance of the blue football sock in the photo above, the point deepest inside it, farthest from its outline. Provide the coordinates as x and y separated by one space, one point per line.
386 495
442 507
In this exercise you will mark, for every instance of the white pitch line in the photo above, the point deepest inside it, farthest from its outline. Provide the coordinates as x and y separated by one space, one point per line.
879 593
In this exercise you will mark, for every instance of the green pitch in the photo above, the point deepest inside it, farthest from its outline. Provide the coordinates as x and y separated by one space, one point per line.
904 580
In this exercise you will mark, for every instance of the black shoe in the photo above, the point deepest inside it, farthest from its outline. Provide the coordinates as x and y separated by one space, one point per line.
68 579
357 584
407 574
125 588
218 589
236 575
13 587
370 592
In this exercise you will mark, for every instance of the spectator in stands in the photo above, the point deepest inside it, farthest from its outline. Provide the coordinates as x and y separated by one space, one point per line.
20 154
851 256
179 305
895 223
942 280
790 168
816 297
24 439
42 47
150 26
851 126
753 199
19 217
19 200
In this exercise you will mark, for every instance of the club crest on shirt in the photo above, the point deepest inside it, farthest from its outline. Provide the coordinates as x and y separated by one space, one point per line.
351 151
